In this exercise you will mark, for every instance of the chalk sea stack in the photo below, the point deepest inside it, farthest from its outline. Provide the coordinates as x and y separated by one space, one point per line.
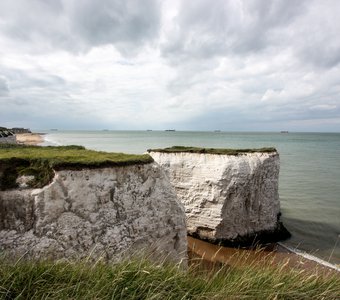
230 196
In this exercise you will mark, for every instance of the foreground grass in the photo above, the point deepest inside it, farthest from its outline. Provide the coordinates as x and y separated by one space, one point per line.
218 151
140 279
39 161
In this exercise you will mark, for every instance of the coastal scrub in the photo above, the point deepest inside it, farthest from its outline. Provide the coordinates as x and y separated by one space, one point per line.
218 151
39 162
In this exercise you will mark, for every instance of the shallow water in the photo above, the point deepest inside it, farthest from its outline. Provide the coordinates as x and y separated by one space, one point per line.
309 176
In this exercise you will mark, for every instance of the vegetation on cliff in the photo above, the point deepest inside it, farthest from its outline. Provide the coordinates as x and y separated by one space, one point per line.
17 160
218 151
140 279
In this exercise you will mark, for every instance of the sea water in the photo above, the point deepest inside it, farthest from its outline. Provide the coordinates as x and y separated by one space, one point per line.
309 183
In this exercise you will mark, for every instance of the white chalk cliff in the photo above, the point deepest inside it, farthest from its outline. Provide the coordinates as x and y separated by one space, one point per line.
227 198
104 212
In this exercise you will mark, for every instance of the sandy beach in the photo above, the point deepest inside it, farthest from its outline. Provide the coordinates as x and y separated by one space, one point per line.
29 138
275 255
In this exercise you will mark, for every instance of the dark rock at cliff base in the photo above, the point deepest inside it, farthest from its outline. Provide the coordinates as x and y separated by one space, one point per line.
258 239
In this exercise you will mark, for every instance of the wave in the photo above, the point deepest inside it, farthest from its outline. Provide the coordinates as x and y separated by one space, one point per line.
310 257
49 141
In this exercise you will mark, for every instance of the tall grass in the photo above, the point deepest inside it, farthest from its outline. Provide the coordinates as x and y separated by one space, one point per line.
141 279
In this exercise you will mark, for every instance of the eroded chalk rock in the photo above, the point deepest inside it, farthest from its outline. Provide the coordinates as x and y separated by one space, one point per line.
106 212
231 199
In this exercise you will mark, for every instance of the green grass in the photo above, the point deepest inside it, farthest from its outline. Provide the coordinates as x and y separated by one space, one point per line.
18 160
218 151
140 279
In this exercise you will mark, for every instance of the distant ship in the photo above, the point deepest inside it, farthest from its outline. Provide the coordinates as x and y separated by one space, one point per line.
149 130
170 130
217 130
53 129
284 131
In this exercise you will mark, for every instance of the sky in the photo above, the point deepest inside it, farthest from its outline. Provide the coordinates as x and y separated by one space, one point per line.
251 65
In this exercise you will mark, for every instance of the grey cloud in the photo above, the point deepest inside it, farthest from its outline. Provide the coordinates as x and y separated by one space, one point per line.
320 51
50 110
267 19
306 109
275 13
35 96
216 28
259 84
123 23
43 100
323 107
20 80
48 81
306 32
79 25
225 64
4 91
191 74
316 34
27 20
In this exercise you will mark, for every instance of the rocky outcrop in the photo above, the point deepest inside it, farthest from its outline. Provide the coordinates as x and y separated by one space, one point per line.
231 199
106 212
7 136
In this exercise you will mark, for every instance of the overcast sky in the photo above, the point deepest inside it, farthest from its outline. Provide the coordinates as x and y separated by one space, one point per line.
190 64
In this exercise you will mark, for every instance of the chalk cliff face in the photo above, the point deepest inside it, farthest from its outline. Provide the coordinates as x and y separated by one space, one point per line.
107 212
227 198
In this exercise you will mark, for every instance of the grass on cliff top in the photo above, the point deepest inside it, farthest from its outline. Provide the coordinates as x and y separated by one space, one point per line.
218 151
39 161
141 279
70 156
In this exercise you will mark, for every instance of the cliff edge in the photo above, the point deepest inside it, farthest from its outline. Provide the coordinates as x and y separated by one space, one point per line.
230 196
87 204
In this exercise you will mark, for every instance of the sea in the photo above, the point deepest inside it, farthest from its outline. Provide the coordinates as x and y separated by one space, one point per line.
309 184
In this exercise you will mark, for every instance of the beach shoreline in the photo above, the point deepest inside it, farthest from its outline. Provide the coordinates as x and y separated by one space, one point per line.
32 139
274 254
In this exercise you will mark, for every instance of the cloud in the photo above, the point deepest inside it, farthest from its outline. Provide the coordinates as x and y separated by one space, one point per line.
204 29
323 107
125 24
77 27
315 34
224 64
4 91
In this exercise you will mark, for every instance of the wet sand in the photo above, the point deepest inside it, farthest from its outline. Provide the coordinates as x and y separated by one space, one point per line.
272 255
29 138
